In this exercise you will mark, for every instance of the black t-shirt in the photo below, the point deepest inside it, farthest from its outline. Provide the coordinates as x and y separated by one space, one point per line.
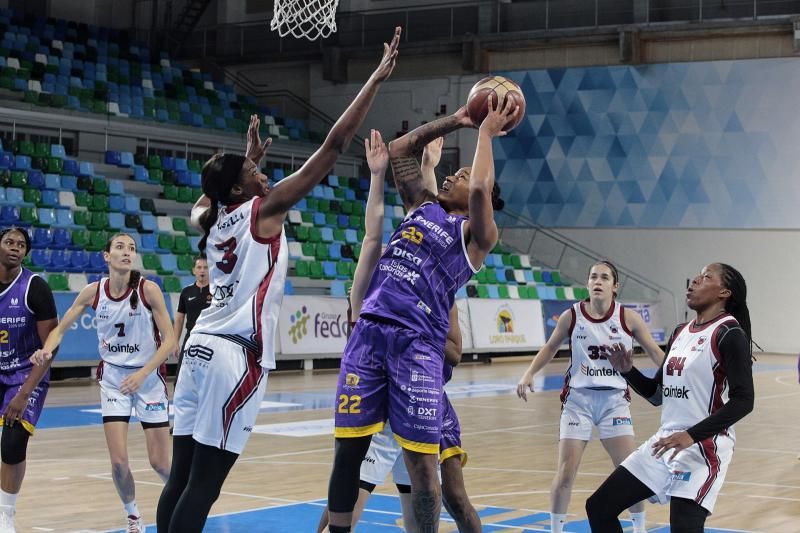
192 301
40 299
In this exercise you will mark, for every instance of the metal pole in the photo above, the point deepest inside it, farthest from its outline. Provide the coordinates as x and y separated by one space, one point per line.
241 41
701 10
451 22
755 9
596 13
363 37
547 15
648 12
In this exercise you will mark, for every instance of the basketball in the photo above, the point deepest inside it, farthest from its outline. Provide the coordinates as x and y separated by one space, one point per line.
498 87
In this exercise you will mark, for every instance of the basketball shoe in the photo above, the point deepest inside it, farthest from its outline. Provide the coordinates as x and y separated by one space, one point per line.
135 524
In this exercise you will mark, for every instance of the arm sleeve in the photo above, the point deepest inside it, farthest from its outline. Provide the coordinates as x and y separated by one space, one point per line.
182 302
40 300
734 349
650 388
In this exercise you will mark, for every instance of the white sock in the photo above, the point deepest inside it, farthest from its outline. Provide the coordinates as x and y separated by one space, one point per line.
131 509
638 521
557 522
8 500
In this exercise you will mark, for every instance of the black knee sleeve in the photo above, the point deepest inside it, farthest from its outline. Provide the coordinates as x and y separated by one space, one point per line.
402 488
343 486
14 444
686 516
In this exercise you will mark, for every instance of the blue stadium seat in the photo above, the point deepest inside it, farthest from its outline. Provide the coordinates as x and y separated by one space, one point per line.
47 216
329 269
126 159
196 179
140 173
69 183
493 292
131 205
62 238
78 262
149 222
59 260
6 160
194 240
461 292
93 278
169 262
327 235
116 221
14 196
278 174
338 288
333 180
319 219
317 192
181 164
64 218
71 167
335 251
49 198
42 238
149 242
35 179
351 236
116 203
96 262
52 181
22 162
182 178
547 276
528 276
288 288
158 281
86 169
343 220
113 157
40 258
57 150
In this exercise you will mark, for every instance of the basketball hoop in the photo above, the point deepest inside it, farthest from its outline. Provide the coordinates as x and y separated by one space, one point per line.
311 19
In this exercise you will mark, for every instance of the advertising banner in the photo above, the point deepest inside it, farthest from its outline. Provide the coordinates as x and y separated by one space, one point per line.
552 309
649 313
506 325
312 325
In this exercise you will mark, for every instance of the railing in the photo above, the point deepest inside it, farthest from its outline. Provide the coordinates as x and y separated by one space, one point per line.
446 22
574 260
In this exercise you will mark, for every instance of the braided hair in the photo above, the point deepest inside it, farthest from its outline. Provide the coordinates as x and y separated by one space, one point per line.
219 175
25 235
736 304
497 202
135 277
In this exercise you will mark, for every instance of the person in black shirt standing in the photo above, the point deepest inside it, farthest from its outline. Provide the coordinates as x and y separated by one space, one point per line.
193 300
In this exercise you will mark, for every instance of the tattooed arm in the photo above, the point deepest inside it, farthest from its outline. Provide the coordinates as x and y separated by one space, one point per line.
408 178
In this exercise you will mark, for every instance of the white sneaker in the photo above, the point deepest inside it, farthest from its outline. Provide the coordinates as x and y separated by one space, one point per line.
135 524
7 522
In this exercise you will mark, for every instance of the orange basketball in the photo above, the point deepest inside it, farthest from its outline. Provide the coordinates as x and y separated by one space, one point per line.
499 88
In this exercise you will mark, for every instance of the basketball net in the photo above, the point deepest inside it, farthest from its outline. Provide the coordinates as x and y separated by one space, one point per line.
311 19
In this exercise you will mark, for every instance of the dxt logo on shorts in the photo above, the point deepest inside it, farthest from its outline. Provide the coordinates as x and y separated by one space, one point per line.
621 421
200 352
412 234
680 475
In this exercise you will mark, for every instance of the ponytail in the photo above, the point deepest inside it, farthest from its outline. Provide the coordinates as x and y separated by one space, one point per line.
736 304
133 284
219 175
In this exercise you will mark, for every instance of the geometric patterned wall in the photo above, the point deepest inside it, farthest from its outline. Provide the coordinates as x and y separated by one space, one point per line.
689 145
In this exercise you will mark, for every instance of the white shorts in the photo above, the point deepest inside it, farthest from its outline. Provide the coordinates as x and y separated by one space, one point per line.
584 409
696 473
384 455
150 403
218 393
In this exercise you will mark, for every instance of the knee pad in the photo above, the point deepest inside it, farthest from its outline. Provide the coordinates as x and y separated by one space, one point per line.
403 489
14 444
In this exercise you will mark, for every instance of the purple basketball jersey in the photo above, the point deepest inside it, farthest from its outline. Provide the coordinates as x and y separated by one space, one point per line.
417 277
19 337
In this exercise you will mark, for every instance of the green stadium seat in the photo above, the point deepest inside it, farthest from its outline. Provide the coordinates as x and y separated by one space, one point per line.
303 233
516 261
302 269
28 215
58 282
19 178
55 165
166 242
32 196
483 291
180 224
172 284
99 186
533 294
83 199
99 202
80 238
151 262
307 217
170 192
185 262
182 245
315 235
343 268
185 195
153 161
560 295
502 290
99 220
556 276
537 276
41 150
315 270
308 249
97 241
82 218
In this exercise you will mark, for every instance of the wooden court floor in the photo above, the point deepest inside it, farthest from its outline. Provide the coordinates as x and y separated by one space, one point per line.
512 455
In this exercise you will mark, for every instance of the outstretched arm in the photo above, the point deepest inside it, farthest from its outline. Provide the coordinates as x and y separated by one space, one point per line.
290 190
82 301
378 160
408 176
482 231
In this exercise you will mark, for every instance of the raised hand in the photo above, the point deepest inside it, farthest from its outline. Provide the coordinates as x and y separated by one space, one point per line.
432 153
620 357
389 58
463 118
377 153
256 150
498 117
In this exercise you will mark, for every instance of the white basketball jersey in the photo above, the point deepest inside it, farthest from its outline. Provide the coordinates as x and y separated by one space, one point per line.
128 337
247 275
694 382
589 339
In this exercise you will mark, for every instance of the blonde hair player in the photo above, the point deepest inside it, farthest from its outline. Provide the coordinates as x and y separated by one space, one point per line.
135 338
594 394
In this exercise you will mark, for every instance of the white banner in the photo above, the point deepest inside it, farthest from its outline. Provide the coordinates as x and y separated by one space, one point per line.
649 313
506 325
466 326
313 325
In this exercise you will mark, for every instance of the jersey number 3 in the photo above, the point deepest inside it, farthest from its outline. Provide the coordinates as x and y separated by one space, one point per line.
228 261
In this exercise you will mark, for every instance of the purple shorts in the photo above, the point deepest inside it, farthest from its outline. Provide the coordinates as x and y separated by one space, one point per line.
10 384
450 445
392 372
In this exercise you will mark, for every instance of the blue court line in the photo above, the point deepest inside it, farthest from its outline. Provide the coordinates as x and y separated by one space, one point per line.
381 515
